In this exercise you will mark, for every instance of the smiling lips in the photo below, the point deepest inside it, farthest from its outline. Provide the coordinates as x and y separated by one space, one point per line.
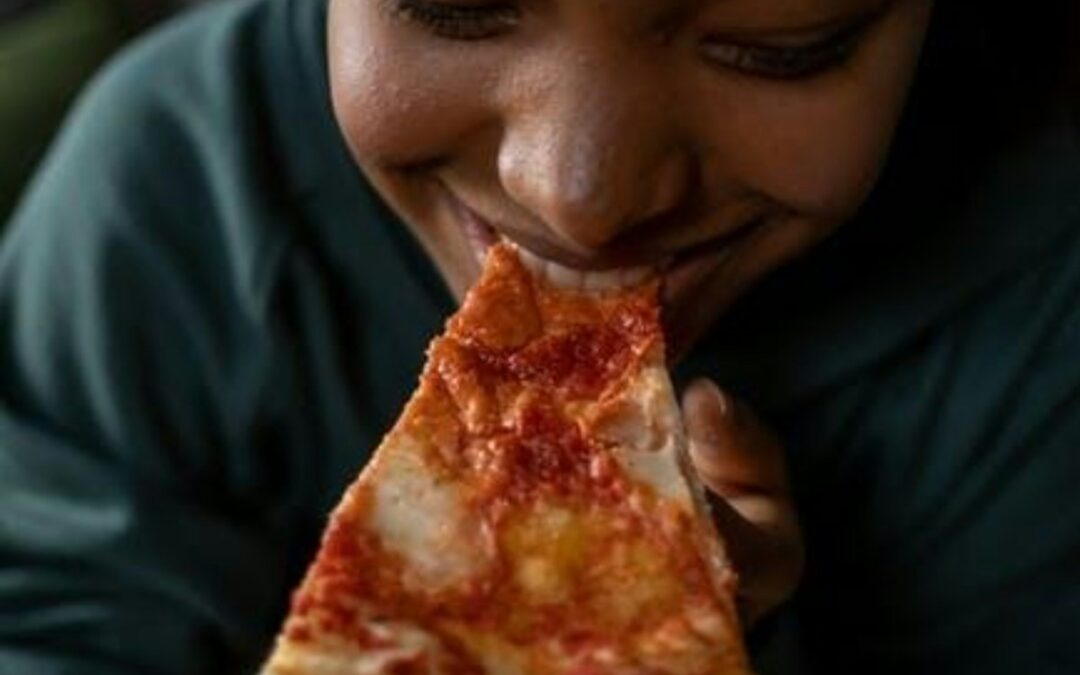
684 278
582 280
482 236
681 273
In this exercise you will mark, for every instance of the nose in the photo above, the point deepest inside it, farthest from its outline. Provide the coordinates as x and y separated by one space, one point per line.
593 154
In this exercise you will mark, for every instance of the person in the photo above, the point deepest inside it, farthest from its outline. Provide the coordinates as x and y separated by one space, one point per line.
216 294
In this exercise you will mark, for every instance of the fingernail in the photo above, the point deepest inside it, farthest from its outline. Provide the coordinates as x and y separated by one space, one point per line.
723 399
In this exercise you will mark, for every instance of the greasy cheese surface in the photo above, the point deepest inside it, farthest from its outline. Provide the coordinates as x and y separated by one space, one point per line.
530 512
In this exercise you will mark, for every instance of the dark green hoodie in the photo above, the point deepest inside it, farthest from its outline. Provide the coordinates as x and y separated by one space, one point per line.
208 320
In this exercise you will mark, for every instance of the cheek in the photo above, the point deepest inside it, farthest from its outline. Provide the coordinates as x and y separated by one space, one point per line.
817 160
817 147
396 104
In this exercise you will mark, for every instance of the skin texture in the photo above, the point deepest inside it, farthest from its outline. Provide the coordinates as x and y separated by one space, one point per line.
604 134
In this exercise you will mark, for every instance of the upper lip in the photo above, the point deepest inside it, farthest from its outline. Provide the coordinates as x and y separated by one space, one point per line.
600 262
651 254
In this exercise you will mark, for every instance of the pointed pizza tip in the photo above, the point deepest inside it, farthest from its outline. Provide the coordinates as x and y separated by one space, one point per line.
511 306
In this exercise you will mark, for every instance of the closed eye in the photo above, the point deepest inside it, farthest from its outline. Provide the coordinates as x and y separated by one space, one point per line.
459 20
814 56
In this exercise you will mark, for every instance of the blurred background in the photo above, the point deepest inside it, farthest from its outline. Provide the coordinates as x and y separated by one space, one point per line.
48 50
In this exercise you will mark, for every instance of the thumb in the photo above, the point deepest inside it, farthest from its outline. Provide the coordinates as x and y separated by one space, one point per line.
734 453
742 464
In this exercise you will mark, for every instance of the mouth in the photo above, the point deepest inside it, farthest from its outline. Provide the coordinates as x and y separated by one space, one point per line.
679 274
570 278
481 236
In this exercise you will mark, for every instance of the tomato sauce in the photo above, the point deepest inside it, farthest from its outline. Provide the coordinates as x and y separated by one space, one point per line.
514 394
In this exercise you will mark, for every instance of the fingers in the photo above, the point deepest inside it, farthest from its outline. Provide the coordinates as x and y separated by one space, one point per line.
742 463
734 453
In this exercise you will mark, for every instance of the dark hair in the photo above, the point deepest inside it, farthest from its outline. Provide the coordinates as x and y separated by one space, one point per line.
999 66
992 75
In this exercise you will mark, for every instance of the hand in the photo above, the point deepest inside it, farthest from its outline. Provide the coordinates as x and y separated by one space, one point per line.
743 468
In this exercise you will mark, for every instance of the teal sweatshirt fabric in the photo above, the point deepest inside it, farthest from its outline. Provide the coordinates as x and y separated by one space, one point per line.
208 320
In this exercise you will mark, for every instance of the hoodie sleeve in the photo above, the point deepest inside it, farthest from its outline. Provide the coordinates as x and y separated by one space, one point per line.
141 494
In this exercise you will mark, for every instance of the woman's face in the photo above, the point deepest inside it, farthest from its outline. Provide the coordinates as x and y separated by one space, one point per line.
707 140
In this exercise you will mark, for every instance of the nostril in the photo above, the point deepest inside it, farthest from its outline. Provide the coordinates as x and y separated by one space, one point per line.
590 189
566 198
589 221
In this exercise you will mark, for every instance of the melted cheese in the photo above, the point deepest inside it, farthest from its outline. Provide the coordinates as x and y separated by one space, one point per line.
533 512
424 520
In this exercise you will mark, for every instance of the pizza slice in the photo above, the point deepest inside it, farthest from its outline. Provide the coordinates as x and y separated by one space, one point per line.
533 510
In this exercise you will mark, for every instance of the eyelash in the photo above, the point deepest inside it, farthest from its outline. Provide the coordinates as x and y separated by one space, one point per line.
457 22
470 23
789 63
